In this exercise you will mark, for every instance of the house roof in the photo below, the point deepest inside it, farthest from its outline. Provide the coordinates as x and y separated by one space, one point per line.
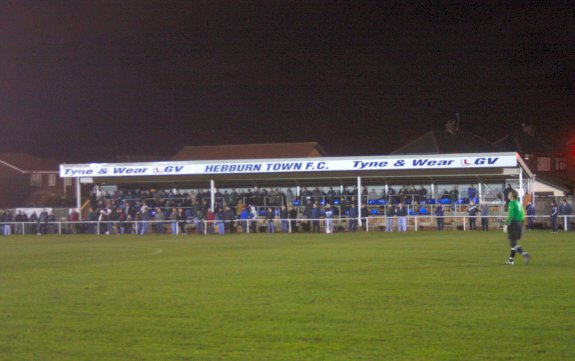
444 142
26 163
558 183
525 144
250 151
130 158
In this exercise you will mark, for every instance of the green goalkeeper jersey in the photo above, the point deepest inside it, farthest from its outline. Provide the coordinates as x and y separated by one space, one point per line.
515 212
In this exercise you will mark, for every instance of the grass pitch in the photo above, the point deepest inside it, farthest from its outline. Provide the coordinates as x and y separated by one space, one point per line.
363 296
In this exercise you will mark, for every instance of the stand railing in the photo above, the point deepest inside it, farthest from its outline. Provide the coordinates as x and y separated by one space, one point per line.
340 224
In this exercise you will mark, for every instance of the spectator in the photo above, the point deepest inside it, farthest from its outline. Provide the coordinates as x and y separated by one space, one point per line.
553 216
353 214
270 220
74 217
159 218
471 192
7 220
19 219
43 222
254 218
229 218
364 213
439 217
210 220
284 219
244 219
182 220
145 217
389 214
565 210
401 213
454 197
174 220
472 214
315 214
484 217
34 219
328 218
292 213
530 210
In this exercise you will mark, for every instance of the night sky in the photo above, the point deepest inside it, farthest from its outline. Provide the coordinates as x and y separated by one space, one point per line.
89 79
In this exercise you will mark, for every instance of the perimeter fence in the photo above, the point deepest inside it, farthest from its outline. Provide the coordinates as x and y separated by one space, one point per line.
413 223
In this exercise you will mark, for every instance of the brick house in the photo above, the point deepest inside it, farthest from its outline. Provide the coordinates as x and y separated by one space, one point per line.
550 160
27 181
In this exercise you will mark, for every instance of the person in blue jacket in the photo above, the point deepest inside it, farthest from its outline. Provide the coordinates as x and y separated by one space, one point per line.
439 214
353 214
315 218
244 219
553 216
530 210
270 220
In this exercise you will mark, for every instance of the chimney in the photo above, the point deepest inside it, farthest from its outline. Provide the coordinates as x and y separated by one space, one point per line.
451 127
528 129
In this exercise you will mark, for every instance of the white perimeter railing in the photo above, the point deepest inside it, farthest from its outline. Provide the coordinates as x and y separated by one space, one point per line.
369 224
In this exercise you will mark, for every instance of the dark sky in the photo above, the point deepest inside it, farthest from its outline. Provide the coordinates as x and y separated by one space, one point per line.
95 78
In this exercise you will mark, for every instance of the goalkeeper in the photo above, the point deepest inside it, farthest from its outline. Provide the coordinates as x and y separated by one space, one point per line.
514 224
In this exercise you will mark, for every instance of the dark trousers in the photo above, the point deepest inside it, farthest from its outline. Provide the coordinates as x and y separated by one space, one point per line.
530 221
440 224
554 224
315 226
514 235
353 225
514 232
472 224
485 223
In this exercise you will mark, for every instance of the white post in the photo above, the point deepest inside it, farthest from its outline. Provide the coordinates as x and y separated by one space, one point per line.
521 191
212 194
359 201
533 190
386 187
79 197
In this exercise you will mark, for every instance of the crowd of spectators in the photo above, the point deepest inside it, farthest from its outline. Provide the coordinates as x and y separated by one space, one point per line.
20 223
140 211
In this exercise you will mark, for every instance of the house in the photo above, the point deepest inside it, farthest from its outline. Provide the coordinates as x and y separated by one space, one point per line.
554 165
547 159
448 141
32 182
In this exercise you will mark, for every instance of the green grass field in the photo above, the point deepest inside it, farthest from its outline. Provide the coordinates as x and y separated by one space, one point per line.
363 296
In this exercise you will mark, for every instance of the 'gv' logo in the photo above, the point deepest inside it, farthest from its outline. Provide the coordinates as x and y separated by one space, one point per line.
168 169
479 161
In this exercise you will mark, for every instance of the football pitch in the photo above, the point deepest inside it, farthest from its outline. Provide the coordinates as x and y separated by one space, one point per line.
362 296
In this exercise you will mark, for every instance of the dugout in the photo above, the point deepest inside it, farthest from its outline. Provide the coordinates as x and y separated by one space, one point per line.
434 171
